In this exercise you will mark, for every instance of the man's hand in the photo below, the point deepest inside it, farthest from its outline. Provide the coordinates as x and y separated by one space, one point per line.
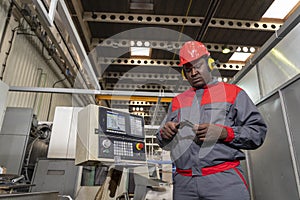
209 132
169 130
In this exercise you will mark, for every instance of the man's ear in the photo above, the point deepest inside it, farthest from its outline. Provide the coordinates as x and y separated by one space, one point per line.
183 74
211 63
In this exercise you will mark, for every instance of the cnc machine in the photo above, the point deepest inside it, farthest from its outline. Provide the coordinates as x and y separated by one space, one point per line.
113 138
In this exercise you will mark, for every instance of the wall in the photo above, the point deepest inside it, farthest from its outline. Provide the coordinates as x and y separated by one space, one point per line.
31 66
274 84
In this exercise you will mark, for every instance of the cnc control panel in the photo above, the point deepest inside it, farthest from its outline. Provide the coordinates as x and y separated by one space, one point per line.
109 136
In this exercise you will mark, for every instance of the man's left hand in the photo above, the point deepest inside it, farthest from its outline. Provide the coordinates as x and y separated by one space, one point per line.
209 132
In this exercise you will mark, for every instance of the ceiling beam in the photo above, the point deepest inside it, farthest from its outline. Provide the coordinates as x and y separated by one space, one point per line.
83 24
167 45
161 62
179 21
133 87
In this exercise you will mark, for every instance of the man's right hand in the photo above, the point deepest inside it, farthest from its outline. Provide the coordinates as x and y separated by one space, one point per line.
169 130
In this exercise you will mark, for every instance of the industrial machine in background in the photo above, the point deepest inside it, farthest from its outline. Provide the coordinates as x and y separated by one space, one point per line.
109 161
114 140
57 171
22 142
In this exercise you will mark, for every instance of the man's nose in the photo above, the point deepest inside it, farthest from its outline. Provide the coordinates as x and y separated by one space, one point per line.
194 71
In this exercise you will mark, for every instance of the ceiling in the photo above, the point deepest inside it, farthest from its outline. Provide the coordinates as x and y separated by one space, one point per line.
107 29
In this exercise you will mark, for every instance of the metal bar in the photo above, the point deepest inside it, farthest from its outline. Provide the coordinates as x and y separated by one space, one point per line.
48 16
52 9
69 25
53 90
153 118
179 21
134 98
84 25
31 196
289 138
91 92
249 173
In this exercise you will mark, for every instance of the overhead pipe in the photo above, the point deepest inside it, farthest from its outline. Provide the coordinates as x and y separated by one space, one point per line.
212 8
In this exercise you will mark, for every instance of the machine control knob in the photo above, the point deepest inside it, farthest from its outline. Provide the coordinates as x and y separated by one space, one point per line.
139 146
106 143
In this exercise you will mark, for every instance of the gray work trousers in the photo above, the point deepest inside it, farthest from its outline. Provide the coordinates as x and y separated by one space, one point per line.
227 185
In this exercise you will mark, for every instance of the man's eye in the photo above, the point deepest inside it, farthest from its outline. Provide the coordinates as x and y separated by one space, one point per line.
198 66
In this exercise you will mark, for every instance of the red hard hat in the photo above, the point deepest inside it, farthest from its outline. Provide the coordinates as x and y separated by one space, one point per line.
192 50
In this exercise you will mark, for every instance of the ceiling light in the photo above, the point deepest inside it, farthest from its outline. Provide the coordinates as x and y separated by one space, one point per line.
238 49
140 51
238 56
226 50
280 9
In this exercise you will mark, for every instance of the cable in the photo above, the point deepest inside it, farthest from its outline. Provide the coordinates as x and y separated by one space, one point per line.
66 196
8 52
28 158
51 96
6 24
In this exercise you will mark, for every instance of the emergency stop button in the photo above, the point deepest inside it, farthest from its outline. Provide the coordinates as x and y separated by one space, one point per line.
139 146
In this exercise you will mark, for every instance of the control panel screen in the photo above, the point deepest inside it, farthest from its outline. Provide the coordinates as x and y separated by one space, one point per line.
114 122
136 126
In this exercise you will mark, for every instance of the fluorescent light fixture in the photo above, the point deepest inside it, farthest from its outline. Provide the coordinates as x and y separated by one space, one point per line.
280 8
238 56
140 51
141 6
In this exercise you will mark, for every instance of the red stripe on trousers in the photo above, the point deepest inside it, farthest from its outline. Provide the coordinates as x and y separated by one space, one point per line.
210 170
241 176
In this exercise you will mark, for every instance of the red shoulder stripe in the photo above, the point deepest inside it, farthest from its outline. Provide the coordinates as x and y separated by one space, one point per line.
222 92
184 99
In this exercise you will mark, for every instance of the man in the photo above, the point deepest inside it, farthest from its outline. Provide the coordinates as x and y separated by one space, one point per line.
205 129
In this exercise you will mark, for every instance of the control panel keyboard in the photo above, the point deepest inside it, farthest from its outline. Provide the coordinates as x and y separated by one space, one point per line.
121 148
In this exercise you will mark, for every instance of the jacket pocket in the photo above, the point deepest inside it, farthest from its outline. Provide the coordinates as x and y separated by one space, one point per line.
216 113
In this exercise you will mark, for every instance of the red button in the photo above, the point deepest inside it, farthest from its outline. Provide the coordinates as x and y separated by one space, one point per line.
139 146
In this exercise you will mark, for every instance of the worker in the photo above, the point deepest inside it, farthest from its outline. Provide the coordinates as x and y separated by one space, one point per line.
206 129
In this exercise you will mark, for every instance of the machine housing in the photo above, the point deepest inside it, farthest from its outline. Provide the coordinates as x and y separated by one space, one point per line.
108 136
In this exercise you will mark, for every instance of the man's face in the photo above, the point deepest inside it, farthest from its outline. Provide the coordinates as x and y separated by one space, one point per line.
197 72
